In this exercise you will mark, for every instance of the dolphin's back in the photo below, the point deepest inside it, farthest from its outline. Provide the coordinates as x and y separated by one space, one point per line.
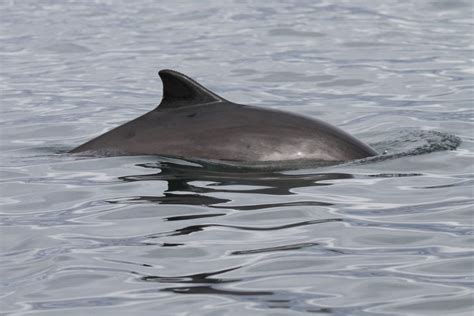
252 133
193 122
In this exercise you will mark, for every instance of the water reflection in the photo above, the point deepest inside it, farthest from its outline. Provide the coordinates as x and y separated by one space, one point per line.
212 290
197 228
193 185
188 181
200 278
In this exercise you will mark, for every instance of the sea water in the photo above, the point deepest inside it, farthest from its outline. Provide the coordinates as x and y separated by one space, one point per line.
151 235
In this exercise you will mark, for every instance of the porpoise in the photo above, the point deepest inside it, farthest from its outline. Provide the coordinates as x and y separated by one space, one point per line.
193 122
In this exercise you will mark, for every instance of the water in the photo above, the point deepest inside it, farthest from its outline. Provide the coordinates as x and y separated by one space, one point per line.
158 235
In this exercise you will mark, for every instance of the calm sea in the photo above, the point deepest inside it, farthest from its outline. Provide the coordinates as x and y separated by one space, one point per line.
164 236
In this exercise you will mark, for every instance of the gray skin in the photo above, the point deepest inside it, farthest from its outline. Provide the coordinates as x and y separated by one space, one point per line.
193 122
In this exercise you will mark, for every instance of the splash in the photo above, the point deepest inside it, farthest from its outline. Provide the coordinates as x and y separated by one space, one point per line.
406 143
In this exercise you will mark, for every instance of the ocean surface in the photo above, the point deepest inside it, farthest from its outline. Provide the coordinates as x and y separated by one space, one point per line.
150 235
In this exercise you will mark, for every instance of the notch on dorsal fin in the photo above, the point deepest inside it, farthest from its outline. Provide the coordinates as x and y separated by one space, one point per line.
180 91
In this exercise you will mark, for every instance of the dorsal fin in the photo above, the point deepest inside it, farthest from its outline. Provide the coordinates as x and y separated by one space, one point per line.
180 91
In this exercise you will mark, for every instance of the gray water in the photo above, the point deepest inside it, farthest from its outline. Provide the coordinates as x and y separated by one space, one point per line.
164 236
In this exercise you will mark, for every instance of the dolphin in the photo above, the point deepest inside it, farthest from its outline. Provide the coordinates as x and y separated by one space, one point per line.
193 122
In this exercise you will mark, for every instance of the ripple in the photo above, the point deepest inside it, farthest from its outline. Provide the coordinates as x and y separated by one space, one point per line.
137 235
